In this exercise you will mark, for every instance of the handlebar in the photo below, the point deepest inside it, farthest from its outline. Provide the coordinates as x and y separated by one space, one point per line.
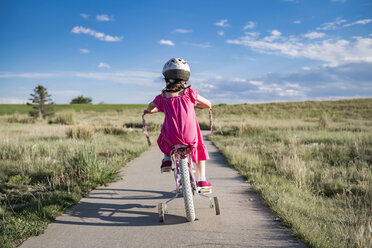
211 116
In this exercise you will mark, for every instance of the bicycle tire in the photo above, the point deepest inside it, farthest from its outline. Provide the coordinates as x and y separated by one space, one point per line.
187 190
216 205
161 212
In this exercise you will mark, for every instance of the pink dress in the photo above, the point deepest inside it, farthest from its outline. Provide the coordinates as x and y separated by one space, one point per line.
180 124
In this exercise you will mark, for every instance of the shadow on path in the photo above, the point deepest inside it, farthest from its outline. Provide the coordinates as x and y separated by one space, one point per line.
105 213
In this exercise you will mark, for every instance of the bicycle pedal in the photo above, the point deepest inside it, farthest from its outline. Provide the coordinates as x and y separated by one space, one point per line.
166 170
205 191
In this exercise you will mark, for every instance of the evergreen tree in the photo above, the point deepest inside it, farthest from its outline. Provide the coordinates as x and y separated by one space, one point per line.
41 101
81 100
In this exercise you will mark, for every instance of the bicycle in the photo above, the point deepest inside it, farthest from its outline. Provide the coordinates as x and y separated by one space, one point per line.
182 168
186 184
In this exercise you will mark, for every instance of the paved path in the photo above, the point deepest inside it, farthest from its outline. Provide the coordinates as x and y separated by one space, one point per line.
124 214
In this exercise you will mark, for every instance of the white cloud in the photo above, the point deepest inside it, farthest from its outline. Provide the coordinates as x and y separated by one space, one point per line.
314 35
253 34
95 34
332 52
85 16
27 75
83 50
291 85
332 25
275 34
360 22
297 22
104 18
11 100
306 68
222 23
220 33
278 90
344 81
200 45
182 31
104 65
239 80
166 42
250 25
256 83
124 77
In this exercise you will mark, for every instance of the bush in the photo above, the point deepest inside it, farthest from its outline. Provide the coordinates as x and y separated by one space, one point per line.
324 121
16 118
81 100
112 129
64 118
84 132
19 179
109 128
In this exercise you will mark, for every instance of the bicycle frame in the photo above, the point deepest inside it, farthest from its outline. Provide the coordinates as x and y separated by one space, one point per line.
179 154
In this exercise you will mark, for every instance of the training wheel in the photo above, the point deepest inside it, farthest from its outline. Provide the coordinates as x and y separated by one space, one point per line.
216 205
161 211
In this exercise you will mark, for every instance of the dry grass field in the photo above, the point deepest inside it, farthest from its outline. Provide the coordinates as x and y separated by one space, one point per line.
47 166
310 161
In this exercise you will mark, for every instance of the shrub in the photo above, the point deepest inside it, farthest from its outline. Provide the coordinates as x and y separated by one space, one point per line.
84 132
16 118
81 100
324 121
109 128
133 125
64 118
19 179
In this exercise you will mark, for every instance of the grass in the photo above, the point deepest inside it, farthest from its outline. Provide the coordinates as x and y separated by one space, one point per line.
9 109
44 168
311 162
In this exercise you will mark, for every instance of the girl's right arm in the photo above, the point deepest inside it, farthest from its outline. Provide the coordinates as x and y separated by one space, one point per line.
203 103
151 108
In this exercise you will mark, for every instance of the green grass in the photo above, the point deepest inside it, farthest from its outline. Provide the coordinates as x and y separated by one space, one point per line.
311 162
44 169
8 109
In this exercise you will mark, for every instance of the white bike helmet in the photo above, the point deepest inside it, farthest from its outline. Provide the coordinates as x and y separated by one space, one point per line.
176 69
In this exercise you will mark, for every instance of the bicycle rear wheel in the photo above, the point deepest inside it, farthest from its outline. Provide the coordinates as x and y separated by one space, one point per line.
187 190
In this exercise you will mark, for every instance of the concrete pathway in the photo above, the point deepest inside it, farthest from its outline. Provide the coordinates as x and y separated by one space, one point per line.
124 214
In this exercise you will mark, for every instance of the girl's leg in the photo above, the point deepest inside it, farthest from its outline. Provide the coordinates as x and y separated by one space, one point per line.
201 169
166 157
202 180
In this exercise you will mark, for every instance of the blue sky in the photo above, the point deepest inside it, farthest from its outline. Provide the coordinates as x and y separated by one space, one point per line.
238 50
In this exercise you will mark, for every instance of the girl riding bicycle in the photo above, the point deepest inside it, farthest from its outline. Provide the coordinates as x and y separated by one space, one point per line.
180 126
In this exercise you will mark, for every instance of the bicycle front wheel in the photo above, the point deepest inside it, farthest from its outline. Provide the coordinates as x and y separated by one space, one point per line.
187 190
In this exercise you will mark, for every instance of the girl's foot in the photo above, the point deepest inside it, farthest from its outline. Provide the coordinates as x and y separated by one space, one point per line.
166 165
204 184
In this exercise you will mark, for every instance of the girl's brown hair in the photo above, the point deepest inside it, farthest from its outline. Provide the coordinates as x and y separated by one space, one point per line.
176 86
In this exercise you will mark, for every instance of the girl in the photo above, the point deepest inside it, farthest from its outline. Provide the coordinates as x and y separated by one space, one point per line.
180 126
